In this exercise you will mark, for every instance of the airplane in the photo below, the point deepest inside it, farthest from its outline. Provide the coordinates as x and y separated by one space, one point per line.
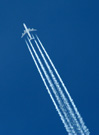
28 32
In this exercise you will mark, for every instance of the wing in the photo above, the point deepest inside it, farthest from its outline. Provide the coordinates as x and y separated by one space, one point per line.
32 29
23 34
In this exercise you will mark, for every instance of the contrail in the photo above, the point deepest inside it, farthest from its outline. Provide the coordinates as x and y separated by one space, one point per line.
86 131
64 110
69 129
72 116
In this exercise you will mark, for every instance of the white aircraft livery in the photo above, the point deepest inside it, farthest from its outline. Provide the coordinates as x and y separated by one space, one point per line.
28 31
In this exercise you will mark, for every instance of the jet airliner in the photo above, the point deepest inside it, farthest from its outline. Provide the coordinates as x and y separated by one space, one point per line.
28 30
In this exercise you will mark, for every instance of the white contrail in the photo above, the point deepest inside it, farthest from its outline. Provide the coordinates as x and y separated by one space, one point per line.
53 88
72 116
63 108
86 131
58 110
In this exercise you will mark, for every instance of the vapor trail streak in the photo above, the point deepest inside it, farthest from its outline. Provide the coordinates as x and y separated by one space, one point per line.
64 110
84 128
69 129
53 88
72 116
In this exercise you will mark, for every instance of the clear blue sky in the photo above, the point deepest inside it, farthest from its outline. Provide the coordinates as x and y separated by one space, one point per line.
69 30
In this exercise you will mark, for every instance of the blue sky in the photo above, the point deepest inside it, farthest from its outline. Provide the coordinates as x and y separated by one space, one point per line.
69 31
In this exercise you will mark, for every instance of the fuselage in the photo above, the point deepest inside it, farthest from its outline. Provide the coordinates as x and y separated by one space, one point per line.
27 31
